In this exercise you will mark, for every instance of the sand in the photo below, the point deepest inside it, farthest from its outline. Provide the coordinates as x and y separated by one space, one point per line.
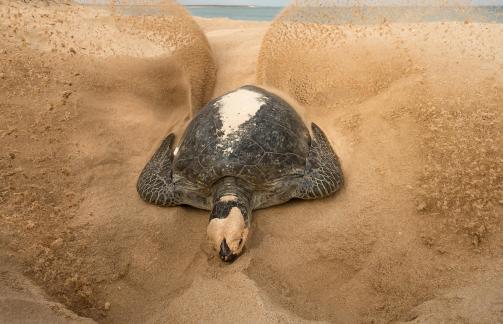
414 110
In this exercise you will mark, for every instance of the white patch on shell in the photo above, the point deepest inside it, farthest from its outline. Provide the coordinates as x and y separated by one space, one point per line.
175 152
237 107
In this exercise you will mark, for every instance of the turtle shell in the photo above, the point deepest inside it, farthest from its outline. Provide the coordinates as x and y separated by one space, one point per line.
248 133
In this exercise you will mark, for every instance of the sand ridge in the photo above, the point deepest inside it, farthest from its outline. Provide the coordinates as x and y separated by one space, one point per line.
407 106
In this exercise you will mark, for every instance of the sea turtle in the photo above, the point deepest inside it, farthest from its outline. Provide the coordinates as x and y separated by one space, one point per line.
245 150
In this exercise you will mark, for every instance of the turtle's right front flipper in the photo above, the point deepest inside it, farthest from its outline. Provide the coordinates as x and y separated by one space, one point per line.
155 184
323 174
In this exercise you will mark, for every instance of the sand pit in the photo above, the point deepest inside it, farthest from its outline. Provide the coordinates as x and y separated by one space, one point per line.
414 111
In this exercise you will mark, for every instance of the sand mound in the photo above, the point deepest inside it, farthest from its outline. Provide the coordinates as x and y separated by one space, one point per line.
413 110
418 130
76 115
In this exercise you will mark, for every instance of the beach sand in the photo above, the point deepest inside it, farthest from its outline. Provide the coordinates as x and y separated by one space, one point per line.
414 110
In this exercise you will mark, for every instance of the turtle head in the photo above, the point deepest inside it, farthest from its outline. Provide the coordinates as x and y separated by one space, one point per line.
228 227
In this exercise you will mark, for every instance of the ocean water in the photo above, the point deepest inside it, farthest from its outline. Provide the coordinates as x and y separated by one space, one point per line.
334 15
236 12
356 15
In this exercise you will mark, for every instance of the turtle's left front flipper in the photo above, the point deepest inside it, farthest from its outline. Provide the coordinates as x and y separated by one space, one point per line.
155 184
323 175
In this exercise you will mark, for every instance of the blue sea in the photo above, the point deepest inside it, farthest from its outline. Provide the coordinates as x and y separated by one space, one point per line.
334 15
355 14
236 12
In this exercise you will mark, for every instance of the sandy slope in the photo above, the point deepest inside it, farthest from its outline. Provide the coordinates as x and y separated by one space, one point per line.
407 108
21 301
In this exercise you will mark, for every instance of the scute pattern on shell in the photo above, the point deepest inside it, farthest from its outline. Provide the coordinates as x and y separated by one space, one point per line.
270 145
265 160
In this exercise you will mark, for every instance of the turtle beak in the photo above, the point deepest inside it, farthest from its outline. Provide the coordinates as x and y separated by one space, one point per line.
226 253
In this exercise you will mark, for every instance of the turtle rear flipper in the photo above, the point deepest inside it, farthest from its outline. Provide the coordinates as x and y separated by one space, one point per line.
155 184
323 175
